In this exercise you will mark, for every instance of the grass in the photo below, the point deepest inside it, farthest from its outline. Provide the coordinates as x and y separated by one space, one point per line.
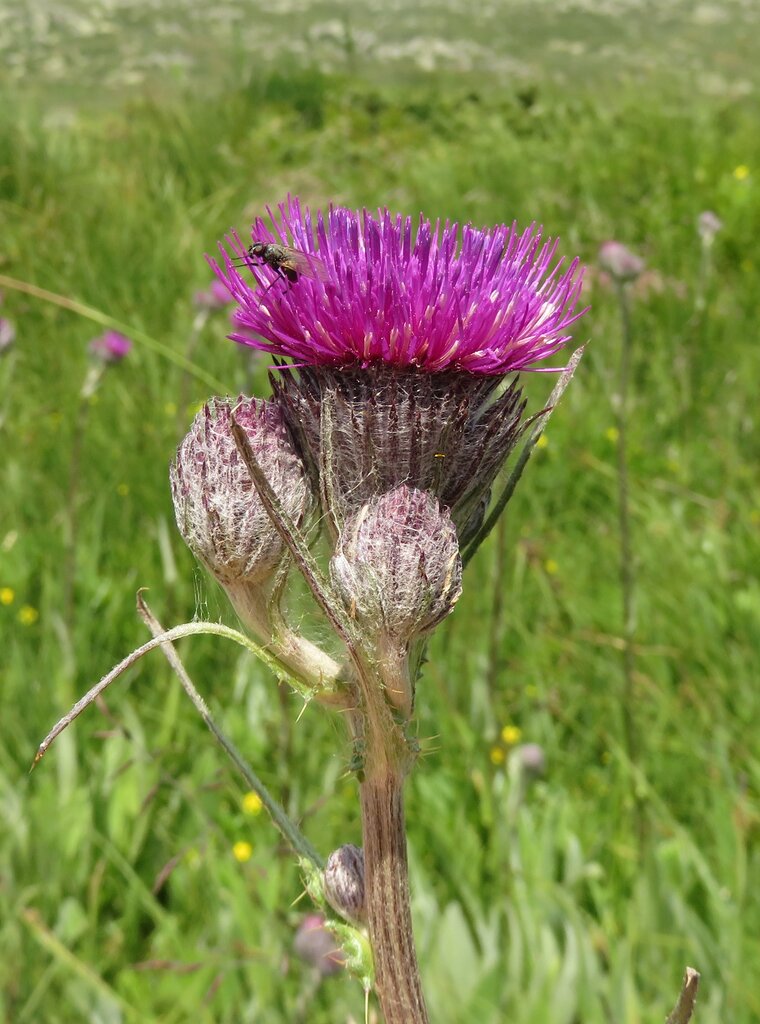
120 898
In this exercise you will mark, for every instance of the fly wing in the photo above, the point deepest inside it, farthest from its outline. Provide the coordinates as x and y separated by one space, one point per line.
303 263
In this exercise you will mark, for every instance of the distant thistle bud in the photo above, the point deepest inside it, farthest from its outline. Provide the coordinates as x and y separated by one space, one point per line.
531 760
7 334
344 882
619 262
708 226
397 565
218 511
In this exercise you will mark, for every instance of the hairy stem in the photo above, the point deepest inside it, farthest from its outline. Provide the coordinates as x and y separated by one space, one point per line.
386 880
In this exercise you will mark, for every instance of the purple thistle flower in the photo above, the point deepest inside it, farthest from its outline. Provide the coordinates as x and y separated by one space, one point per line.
618 260
110 347
216 296
438 298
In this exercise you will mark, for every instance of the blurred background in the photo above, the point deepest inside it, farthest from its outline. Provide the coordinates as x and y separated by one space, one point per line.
583 823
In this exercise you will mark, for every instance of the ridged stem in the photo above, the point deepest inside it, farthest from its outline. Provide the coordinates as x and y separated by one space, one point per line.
386 880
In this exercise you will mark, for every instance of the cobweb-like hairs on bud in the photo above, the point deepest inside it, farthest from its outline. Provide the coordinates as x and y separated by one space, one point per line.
218 511
397 566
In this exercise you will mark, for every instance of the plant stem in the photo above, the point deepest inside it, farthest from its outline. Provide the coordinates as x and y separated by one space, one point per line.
82 309
684 1008
88 389
627 574
297 841
386 881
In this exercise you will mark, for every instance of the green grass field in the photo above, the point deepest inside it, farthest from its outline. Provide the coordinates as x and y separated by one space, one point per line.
120 896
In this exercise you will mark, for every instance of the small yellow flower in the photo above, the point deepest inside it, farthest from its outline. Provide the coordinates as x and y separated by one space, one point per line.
122 490
242 851
497 755
7 595
252 803
741 173
511 734
170 408
27 615
542 442
551 566
612 434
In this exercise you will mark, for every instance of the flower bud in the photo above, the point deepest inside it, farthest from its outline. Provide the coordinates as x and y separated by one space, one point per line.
218 511
343 881
619 262
397 566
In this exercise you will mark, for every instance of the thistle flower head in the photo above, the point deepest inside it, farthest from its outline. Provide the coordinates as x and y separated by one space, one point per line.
366 288
216 296
218 511
110 347
619 262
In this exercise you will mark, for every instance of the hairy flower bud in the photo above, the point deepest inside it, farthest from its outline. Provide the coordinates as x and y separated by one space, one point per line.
343 881
397 566
218 511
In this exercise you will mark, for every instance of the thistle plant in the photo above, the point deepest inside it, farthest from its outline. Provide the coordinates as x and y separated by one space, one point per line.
395 356
395 404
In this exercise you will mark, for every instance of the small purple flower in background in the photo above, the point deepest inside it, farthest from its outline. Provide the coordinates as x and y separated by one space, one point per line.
216 296
7 334
708 226
436 298
316 946
619 262
110 347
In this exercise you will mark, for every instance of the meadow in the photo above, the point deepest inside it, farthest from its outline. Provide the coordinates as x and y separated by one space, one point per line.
125 892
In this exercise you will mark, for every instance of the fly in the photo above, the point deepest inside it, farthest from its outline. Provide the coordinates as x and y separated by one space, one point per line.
286 262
